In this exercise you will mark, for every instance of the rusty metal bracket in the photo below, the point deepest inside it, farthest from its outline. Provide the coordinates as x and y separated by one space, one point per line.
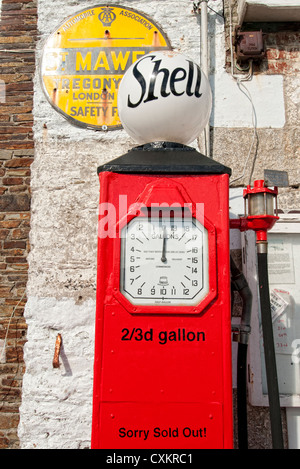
58 344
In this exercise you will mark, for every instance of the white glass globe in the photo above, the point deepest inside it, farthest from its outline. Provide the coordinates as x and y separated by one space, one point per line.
164 96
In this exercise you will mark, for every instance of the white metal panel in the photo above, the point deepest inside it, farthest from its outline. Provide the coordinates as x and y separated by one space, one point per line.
284 279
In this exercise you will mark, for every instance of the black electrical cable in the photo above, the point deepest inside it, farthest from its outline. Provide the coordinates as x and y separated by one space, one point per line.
269 350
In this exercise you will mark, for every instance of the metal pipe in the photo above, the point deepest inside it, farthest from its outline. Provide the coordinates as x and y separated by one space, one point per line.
204 35
204 62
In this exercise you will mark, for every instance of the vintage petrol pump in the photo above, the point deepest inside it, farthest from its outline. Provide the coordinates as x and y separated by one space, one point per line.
163 336
162 375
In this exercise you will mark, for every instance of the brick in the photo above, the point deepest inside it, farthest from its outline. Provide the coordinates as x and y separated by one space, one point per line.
13 260
3 233
16 77
20 233
14 302
11 6
14 355
5 64
21 285
18 189
5 311
5 291
19 87
18 162
19 312
8 421
23 67
11 334
24 152
15 323
18 172
26 11
17 216
14 245
14 129
15 96
15 145
18 267
14 203
21 28
17 278
11 181
17 137
23 118
7 394
4 442
9 407
23 1
6 154
13 40
13 252
10 223
10 382
5 109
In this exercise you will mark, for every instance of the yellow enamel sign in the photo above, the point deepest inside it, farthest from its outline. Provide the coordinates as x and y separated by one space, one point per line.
85 58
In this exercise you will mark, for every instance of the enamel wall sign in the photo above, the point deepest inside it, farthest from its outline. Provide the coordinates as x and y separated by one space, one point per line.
85 59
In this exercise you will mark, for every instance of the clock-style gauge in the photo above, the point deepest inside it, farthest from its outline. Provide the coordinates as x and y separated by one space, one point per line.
164 260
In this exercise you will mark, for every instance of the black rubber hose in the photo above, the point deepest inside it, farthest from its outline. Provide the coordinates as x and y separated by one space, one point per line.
269 350
240 284
242 418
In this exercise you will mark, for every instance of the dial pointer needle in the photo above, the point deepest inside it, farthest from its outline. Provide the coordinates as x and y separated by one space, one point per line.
163 255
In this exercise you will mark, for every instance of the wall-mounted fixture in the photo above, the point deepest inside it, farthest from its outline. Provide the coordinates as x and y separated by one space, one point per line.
249 45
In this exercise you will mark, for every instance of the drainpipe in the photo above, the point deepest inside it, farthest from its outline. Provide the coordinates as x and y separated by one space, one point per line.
204 61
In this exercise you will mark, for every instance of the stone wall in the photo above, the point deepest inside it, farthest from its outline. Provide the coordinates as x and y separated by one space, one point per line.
18 31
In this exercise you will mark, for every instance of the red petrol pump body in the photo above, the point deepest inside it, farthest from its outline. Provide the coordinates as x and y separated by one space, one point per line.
162 372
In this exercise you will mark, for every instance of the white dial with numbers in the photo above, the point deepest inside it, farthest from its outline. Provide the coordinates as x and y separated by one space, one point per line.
164 261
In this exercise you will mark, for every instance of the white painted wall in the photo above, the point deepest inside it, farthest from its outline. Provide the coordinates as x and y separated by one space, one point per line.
56 405
266 93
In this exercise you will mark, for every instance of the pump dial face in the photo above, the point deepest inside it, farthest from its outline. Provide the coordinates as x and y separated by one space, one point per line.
164 261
